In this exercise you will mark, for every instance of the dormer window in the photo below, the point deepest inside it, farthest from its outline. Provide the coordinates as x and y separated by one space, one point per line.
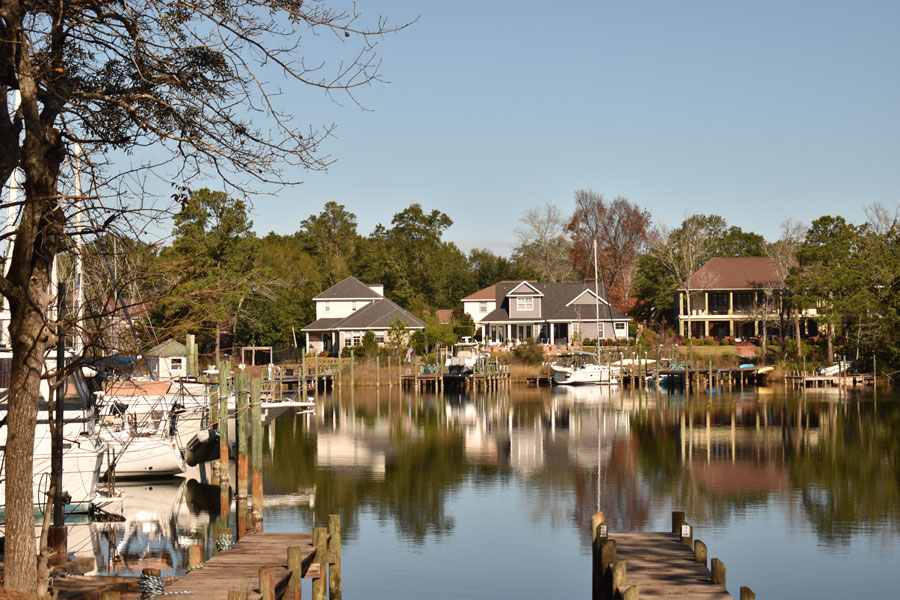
524 303
326 306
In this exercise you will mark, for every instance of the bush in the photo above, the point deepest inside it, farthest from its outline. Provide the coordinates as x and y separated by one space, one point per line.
529 353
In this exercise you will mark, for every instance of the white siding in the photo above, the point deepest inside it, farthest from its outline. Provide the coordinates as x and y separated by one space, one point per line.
338 309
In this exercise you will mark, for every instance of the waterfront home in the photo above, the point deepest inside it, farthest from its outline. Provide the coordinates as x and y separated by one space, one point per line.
551 313
732 297
350 308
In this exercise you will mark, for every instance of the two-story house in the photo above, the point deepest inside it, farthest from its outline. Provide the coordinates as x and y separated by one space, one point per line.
551 313
731 297
347 310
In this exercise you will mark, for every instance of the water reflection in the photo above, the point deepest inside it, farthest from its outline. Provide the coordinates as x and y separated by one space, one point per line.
518 471
400 456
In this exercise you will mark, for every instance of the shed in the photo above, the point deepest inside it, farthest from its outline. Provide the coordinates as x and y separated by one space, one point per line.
167 360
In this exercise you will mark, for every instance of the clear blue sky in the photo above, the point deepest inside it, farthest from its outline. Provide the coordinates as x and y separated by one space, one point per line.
757 111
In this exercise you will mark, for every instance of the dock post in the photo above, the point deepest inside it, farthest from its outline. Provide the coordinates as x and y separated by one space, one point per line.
377 371
599 535
700 552
718 572
399 370
110 595
237 595
214 392
334 547
241 416
295 566
301 381
320 541
619 577
195 556
224 376
710 378
747 593
677 521
189 359
256 450
352 376
267 583
686 529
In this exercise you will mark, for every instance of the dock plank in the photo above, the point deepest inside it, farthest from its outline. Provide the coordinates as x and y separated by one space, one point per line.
662 567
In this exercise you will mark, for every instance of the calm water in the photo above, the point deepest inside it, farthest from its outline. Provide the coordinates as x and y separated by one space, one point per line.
491 496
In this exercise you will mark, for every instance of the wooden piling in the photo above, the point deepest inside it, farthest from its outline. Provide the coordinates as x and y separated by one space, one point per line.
352 376
320 541
267 583
189 359
242 514
377 371
677 521
700 552
334 552
686 529
295 566
619 577
242 417
237 595
224 377
747 593
110 595
195 556
718 572
256 449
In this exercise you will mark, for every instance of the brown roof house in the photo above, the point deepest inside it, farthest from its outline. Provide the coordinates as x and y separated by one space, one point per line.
730 297
551 313
347 310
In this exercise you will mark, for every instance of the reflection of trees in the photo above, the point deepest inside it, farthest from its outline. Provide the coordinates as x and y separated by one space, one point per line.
851 481
424 462
848 480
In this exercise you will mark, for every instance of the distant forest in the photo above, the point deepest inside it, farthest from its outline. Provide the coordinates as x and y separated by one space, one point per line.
217 277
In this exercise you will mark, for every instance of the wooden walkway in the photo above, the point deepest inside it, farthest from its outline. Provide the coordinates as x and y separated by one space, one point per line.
238 570
663 567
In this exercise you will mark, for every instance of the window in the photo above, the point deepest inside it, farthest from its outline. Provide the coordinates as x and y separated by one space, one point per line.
326 306
482 307
525 303
176 364
620 327
576 327
353 306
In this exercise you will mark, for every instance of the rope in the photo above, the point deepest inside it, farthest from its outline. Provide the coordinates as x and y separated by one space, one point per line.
153 585
225 541
195 567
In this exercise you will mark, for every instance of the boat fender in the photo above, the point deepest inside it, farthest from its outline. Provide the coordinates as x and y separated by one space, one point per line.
203 447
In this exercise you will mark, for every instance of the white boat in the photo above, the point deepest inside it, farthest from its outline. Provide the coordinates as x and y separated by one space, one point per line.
465 357
589 374
82 451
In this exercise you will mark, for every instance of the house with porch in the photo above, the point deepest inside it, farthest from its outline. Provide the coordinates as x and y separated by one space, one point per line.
731 297
551 313
347 310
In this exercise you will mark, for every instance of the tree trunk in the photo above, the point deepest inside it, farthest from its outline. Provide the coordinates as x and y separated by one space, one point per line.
829 337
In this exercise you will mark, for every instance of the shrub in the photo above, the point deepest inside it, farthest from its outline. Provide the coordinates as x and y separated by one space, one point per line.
529 353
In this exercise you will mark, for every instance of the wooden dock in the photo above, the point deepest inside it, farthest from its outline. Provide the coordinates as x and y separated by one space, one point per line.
670 565
238 570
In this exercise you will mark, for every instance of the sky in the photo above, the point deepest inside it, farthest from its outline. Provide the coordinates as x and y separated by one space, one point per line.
756 111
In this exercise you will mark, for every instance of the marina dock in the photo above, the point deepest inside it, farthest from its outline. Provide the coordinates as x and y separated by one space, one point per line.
670 565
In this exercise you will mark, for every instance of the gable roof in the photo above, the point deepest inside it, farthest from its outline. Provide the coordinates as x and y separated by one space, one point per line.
556 304
170 347
523 290
488 293
375 315
350 288
735 273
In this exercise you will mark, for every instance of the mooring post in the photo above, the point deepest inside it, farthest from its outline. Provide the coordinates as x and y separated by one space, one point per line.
214 392
320 541
599 535
677 521
377 371
241 418
237 595
295 566
256 450
618 577
188 360
267 583
718 572
700 552
223 426
686 535
399 370
747 593
334 548
110 595
195 556
352 369
710 378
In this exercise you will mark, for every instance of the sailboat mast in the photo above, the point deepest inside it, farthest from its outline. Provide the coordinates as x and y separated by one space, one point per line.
79 244
596 302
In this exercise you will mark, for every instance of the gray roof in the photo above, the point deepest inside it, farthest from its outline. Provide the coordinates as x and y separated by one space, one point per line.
376 315
350 288
553 304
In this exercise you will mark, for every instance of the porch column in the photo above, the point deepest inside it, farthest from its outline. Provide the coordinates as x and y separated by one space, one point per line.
706 328
508 332
756 328
706 302
731 307
552 332
730 328
306 350
332 344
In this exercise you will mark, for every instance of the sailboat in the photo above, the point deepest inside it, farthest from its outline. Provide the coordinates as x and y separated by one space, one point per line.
583 372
